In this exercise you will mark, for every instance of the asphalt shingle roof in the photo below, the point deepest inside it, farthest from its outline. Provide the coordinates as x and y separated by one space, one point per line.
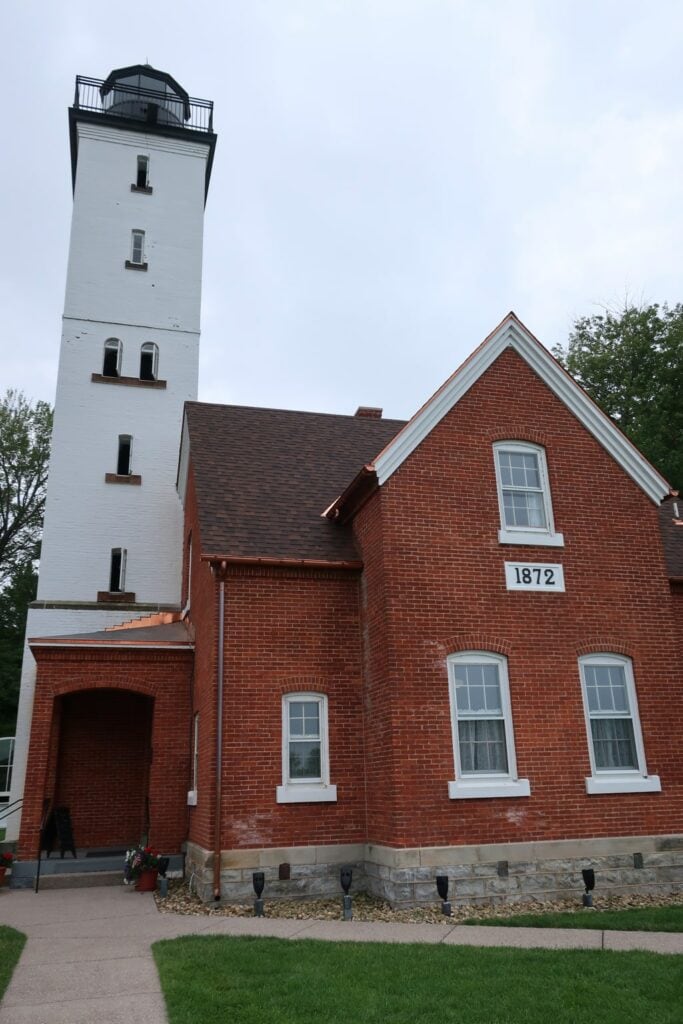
264 477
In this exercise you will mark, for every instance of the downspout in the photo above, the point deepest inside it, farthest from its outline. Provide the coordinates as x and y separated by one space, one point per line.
219 738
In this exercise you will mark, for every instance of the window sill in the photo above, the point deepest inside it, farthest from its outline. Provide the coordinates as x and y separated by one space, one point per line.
477 789
544 540
598 784
306 794
135 266
130 382
145 189
115 597
120 478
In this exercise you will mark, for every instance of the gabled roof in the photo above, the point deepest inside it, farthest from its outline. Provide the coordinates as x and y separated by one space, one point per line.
512 333
264 476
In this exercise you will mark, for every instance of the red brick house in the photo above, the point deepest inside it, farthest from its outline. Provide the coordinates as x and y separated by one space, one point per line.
448 645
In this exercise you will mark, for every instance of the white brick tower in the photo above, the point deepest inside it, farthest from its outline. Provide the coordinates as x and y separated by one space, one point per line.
141 155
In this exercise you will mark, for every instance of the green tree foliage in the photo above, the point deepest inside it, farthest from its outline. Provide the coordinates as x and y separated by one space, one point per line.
631 363
14 602
25 431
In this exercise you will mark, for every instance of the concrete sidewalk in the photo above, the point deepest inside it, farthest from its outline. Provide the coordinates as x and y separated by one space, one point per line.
88 955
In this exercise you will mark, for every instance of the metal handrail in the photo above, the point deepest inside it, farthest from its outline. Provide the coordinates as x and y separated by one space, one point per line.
10 808
88 96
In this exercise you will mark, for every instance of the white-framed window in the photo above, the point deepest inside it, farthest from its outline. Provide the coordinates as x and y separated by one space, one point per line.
117 570
481 718
111 364
149 361
305 750
142 175
137 247
615 739
125 455
526 511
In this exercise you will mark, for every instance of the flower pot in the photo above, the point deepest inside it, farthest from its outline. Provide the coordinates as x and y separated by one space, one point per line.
3 871
147 882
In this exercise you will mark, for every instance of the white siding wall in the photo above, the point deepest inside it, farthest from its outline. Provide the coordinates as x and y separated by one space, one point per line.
86 517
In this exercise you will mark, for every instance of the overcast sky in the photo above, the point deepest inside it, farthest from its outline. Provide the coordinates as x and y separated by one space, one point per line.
391 178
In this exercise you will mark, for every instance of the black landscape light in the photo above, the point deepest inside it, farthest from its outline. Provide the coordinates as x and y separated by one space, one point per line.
442 889
163 880
258 880
589 882
345 877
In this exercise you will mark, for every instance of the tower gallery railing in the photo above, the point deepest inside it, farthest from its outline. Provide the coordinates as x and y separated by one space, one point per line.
158 106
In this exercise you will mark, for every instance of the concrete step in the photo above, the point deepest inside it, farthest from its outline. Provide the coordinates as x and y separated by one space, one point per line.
24 871
80 880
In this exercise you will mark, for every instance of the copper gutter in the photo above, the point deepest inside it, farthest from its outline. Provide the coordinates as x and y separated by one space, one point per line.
291 563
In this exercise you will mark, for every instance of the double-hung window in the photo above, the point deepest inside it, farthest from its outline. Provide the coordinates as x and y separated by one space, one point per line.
483 738
305 751
526 513
137 251
615 739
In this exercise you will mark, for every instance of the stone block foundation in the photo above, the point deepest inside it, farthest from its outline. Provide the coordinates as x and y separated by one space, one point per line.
492 874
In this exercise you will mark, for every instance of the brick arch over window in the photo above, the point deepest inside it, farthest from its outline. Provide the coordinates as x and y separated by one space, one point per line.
605 644
301 684
475 641
513 433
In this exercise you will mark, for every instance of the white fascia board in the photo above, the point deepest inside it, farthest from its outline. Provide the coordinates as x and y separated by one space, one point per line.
183 461
512 334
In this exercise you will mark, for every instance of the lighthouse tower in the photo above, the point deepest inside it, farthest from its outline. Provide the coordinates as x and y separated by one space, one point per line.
141 157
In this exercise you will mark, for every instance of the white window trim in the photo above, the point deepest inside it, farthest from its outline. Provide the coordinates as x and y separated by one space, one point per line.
150 346
494 784
526 534
293 791
122 570
110 345
613 780
134 232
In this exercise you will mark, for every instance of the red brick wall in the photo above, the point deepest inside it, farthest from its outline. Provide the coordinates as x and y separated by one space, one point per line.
103 768
290 631
164 676
434 584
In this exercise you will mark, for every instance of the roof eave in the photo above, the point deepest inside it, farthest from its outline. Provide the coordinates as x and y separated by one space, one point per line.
511 333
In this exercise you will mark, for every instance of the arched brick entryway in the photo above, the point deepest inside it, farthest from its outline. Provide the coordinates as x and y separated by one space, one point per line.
110 739
103 761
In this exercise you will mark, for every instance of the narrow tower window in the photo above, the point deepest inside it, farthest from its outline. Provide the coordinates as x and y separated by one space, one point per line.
112 358
124 459
117 572
149 361
142 179
137 248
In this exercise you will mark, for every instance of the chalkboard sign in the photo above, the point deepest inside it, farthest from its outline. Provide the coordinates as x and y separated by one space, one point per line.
65 832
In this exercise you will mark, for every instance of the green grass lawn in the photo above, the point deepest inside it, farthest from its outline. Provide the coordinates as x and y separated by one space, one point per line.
11 945
218 979
636 919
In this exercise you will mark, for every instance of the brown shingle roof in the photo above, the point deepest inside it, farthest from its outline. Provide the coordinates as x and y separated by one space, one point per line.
264 476
672 535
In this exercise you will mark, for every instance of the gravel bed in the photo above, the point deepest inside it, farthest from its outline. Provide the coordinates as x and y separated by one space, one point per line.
368 908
